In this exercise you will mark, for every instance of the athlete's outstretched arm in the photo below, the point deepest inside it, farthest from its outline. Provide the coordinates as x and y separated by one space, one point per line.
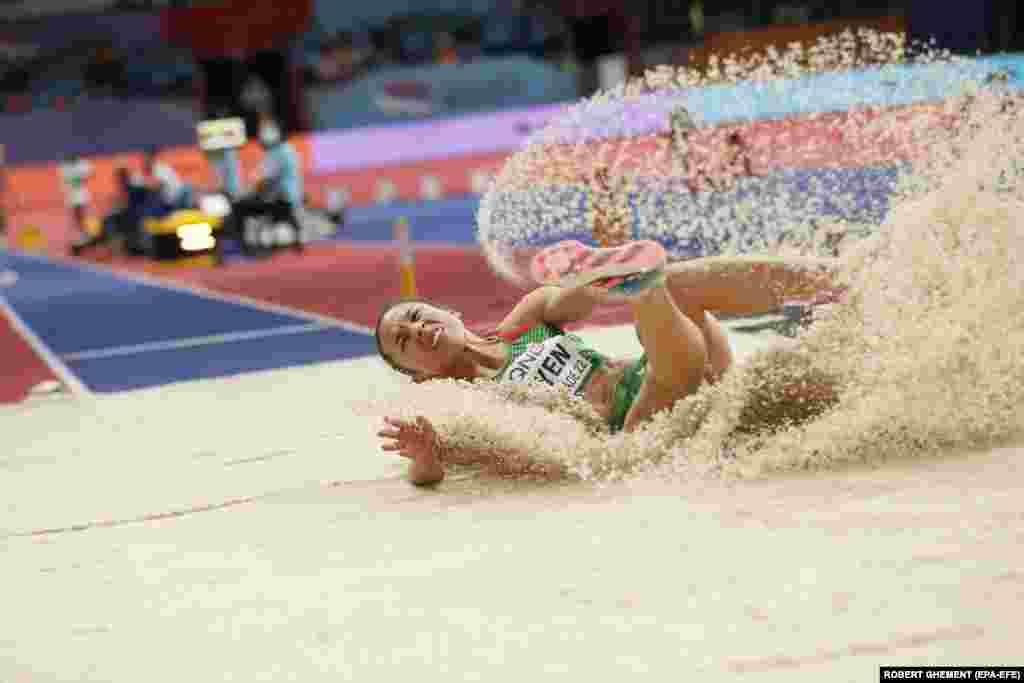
554 305
428 454
417 441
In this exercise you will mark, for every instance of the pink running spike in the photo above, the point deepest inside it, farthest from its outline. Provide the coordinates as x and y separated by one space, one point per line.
571 263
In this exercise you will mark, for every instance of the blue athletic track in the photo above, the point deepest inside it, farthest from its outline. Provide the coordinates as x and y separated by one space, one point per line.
115 332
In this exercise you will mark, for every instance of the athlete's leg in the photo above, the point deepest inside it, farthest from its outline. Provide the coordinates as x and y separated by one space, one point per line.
741 286
668 325
677 355
716 342
684 343
749 285
719 351
737 286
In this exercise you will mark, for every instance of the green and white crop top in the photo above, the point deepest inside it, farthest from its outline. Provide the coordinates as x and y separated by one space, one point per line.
548 355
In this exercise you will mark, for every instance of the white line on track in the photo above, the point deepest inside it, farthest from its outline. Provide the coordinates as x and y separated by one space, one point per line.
196 290
62 371
193 342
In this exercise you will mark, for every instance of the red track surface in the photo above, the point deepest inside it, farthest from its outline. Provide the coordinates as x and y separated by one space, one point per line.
354 283
20 367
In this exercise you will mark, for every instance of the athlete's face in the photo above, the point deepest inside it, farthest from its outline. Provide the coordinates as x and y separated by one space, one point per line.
422 337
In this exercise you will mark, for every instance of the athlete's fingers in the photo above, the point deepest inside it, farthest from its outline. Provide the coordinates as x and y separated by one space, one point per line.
395 422
399 449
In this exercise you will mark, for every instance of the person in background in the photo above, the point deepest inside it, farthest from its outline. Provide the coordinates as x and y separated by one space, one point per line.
226 165
278 192
74 172
169 192
123 225
228 168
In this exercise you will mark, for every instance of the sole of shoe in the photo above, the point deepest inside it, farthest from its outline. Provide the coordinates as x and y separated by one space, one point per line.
572 264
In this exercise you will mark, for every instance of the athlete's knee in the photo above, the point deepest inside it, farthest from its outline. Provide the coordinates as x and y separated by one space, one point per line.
681 368
719 352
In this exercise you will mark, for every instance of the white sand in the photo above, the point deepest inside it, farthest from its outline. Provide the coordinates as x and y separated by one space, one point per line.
294 577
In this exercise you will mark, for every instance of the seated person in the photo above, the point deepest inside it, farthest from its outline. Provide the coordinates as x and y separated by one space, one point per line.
278 192
227 166
124 224
226 163
75 173
169 192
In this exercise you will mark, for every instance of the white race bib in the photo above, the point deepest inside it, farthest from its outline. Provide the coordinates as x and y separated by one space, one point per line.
555 362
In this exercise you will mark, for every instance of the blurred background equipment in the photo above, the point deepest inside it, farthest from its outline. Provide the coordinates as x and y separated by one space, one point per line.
30 238
128 70
246 56
396 100
406 261
216 135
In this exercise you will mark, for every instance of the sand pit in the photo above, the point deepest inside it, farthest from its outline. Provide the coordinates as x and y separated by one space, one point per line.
249 529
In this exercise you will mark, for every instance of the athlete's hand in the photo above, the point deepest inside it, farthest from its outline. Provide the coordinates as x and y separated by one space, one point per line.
417 440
